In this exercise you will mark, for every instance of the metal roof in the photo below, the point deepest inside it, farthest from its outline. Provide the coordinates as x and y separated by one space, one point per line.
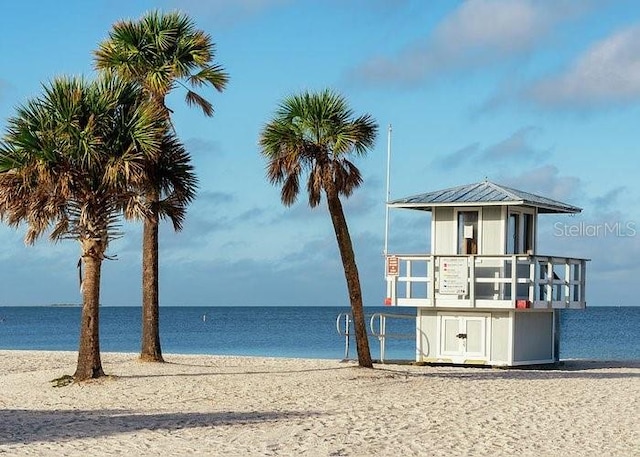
484 193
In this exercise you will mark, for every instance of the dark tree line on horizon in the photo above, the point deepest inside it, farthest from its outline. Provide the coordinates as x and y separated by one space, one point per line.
85 154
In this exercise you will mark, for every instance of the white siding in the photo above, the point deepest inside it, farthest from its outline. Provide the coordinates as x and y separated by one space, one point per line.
500 337
444 226
426 334
533 336
492 228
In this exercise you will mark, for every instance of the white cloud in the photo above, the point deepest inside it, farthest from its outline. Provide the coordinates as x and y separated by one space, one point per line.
477 33
457 158
609 199
608 72
546 181
201 146
515 147
506 27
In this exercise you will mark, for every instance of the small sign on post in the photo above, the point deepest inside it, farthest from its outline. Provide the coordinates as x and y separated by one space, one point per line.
392 266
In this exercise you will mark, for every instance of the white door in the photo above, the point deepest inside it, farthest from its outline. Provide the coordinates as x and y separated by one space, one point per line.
463 337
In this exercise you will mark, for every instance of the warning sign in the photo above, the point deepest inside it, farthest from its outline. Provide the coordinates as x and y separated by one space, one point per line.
393 268
454 276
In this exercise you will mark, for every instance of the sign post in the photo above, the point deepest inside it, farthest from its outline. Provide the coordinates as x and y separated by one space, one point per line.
392 266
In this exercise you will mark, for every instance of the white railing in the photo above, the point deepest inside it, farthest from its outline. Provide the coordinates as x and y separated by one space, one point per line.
485 281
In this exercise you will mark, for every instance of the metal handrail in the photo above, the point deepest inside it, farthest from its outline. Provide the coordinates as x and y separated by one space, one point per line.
347 321
382 334
343 327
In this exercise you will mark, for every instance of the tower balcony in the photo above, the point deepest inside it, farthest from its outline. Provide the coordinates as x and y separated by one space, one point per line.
486 281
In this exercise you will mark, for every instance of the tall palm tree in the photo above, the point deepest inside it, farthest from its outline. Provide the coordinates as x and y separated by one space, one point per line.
68 163
160 51
315 133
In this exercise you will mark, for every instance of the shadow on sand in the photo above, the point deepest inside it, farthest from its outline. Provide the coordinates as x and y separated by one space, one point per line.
28 426
243 372
567 369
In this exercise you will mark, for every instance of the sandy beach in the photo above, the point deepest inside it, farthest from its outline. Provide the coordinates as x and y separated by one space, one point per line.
248 406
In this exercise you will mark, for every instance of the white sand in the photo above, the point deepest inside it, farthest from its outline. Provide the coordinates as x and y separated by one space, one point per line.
246 406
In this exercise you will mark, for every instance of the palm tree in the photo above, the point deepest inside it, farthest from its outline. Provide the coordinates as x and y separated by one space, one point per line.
315 133
160 51
68 163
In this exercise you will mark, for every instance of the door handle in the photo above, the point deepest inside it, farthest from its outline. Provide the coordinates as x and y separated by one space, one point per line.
461 335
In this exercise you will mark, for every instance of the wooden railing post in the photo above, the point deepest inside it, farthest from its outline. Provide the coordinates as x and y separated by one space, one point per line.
432 277
567 282
583 274
408 283
471 263
532 279
514 280
549 282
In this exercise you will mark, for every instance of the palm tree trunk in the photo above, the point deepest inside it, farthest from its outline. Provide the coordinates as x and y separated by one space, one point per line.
89 363
151 351
353 280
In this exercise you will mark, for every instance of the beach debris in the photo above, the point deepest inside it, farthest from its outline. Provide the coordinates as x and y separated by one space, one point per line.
62 381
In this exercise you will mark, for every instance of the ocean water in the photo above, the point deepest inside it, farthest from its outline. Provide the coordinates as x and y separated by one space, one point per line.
597 333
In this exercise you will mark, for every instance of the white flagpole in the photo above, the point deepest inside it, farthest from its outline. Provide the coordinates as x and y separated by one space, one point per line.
386 221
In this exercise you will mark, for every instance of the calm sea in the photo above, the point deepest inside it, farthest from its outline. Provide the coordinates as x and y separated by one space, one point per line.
600 333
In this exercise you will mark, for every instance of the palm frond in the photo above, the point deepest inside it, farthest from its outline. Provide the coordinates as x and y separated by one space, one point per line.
175 172
290 189
214 75
174 211
346 176
315 133
315 186
193 98
70 157
158 50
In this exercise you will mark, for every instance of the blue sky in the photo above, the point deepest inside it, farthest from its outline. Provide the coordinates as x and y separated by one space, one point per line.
539 95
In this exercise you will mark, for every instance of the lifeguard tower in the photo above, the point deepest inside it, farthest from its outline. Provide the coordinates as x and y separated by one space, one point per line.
484 295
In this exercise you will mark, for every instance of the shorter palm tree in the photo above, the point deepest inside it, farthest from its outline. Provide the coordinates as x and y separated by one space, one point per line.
70 162
315 133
